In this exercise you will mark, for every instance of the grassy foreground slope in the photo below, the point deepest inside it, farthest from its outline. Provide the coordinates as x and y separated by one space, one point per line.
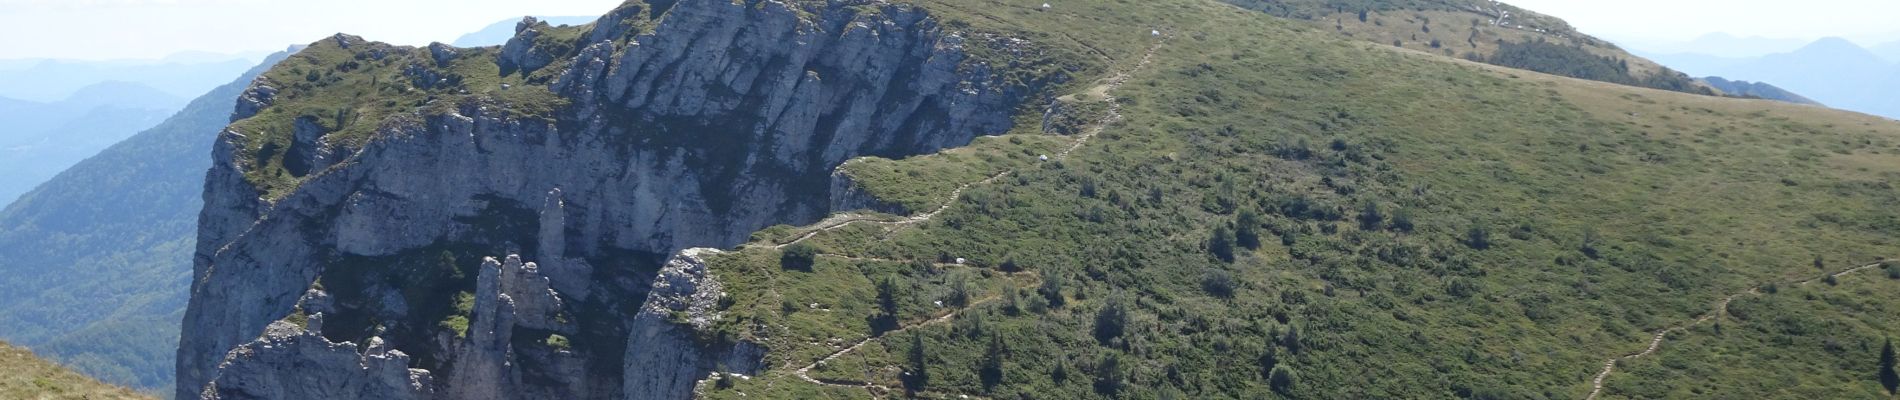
1820 338
1278 212
24 376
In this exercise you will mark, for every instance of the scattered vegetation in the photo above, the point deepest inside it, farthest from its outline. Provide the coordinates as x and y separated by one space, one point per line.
1395 198
1823 341
800 256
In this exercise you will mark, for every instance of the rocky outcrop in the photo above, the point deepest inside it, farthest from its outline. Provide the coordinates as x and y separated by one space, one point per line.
659 145
846 194
291 362
667 349
507 294
522 52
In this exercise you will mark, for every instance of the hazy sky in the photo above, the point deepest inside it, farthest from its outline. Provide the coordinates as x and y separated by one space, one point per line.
117 29
1682 20
143 29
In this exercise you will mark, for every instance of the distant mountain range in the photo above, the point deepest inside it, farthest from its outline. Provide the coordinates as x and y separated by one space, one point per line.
37 140
1757 90
183 76
1833 71
1716 44
109 242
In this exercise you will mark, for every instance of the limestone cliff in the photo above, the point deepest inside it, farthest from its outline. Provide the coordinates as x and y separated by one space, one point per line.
570 162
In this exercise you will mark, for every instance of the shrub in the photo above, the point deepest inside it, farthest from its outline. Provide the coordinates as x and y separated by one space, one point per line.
1370 218
1478 237
724 382
991 369
1282 380
1222 244
1219 283
916 374
1462 287
1291 340
1051 290
799 256
1013 301
960 292
1111 322
1402 220
1010 265
1108 375
1247 230
457 324
1269 360
1888 377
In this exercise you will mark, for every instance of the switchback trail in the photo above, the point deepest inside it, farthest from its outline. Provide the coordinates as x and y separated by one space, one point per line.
1655 342
1111 115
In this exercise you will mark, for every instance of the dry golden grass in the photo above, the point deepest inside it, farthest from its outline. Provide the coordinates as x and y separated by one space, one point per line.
25 376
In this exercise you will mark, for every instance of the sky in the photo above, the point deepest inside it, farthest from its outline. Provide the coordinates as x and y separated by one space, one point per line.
1866 21
149 29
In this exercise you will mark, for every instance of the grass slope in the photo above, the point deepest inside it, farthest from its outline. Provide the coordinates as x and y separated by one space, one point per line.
23 376
1815 339
1428 227
1482 30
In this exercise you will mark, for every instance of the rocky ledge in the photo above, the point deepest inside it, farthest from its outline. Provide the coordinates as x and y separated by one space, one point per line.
679 125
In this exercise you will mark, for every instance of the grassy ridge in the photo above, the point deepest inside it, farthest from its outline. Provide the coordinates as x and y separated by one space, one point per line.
1473 29
24 376
346 88
1429 227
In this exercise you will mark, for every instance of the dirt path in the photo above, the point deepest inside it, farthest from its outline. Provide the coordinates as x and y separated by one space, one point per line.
805 373
830 224
1106 92
1112 115
1655 342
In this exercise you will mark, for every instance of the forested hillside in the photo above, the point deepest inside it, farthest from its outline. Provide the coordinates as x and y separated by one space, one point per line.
98 259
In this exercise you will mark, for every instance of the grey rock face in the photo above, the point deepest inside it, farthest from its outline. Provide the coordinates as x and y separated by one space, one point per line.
521 52
664 146
255 99
665 358
847 195
291 363
442 53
